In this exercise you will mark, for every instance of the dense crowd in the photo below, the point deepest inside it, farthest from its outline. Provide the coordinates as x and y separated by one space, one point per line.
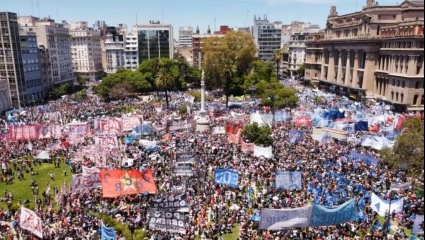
214 210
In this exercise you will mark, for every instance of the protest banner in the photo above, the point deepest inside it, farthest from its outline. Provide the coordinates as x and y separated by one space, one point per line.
119 183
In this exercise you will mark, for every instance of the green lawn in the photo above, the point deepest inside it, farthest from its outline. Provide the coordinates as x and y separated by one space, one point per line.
22 189
232 236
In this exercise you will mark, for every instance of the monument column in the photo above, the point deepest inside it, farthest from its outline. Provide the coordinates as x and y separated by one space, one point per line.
202 120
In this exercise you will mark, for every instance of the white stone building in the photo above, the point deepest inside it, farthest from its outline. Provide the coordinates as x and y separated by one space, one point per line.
296 52
267 38
115 53
185 37
131 51
55 38
86 51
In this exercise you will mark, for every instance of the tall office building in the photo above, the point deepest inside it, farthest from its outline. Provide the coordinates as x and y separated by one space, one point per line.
86 51
115 51
267 38
155 40
99 25
53 37
377 53
131 51
11 68
185 37
4 95
32 72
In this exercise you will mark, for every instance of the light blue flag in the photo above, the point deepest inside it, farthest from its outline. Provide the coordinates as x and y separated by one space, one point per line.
326 216
108 233
227 177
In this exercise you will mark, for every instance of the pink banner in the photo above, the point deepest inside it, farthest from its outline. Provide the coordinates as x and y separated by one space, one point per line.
106 141
34 132
109 125
247 147
78 130
234 138
128 123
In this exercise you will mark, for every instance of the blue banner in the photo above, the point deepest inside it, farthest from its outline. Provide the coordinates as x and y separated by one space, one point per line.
227 177
296 136
282 116
107 233
365 158
288 180
280 219
326 216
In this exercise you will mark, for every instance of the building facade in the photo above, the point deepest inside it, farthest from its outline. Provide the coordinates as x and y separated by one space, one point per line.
197 42
267 38
185 37
32 71
131 51
377 53
11 67
155 40
296 54
115 52
55 38
5 103
86 51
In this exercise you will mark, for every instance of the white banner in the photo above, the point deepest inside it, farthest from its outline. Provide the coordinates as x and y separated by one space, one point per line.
263 152
147 143
381 206
31 222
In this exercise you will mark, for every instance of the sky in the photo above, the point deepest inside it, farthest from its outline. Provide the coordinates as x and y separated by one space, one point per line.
179 13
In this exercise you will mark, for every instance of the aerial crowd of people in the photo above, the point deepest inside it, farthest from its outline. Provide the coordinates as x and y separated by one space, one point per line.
215 210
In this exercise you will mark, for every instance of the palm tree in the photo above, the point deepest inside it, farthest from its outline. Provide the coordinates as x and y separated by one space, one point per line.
277 56
165 80
228 71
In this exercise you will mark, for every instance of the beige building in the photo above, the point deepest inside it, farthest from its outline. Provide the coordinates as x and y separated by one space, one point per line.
377 53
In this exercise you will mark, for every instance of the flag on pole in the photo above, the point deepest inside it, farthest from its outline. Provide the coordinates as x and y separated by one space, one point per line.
31 222
108 233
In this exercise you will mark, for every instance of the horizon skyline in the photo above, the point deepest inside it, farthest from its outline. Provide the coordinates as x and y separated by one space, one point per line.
235 14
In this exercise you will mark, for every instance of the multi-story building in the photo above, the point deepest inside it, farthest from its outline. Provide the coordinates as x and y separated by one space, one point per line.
296 53
155 40
185 37
45 69
4 95
296 27
86 51
131 51
223 30
11 68
267 38
55 38
115 52
99 25
32 72
197 42
375 53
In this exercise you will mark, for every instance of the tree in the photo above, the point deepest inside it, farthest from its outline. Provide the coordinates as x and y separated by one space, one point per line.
408 148
261 71
135 82
277 57
301 70
166 77
228 60
81 81
261 136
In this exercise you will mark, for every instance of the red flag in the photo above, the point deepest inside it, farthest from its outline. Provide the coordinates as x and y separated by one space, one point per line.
119 182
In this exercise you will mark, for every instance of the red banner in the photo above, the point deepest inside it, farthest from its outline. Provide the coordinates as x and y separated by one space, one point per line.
117 183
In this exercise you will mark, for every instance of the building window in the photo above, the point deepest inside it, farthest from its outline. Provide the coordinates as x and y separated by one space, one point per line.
417 85
402 98
392 96
422 100
415 100
396 97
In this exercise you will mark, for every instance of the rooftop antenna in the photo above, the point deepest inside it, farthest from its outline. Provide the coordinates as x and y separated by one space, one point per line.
32 7
38 6
162 11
